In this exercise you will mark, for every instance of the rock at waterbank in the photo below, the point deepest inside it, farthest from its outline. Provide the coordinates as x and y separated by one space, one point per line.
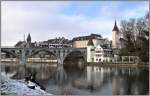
19 88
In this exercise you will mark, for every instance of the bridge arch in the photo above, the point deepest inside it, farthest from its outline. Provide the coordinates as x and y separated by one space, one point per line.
73 52
35 52
75 58
10 52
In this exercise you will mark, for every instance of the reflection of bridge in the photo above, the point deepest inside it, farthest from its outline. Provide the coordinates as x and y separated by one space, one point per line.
22 54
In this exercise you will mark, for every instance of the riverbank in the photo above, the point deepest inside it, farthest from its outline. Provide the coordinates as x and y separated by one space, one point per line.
118 65
12 87
35 62
103 64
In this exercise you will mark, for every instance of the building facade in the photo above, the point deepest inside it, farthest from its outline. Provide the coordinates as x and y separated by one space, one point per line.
103 54
90 51
98 53
51 43
98 48
82 42
116 35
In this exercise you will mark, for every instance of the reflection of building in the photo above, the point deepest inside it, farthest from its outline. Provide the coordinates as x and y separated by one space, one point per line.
97 76
129 81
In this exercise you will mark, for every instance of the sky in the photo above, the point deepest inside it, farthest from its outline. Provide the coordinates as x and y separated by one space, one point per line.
50 19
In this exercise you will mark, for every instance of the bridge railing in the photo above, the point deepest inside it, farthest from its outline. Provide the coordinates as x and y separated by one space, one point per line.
7 47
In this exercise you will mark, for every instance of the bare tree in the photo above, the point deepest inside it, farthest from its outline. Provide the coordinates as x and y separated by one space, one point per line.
136 37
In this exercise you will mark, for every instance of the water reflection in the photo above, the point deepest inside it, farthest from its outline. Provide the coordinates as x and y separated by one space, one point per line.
60 75
130 81
90 80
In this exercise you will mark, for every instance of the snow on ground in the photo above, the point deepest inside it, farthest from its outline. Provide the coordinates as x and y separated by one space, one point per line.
19 88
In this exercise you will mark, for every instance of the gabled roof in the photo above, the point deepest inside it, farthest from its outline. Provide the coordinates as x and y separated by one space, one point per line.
90 43
115 27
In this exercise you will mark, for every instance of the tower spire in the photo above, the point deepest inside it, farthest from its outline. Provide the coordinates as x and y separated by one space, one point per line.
115 27
115 23
29 38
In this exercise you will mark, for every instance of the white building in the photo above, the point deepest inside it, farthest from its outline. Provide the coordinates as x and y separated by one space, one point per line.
103 54
98 53
90 51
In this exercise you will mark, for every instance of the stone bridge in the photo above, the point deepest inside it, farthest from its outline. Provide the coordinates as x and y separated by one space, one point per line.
60 53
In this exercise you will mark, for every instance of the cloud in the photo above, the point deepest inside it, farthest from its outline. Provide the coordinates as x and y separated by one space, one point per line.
124 10
46 20
19 18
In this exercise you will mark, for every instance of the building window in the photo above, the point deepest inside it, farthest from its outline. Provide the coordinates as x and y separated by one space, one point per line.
92 59
98 51
110 60
98 55
92 49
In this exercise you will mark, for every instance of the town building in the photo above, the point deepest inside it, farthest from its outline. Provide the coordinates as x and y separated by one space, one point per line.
98 48
118 44
60 42
82 41
103 54
116 36
90 51
98 53
27 43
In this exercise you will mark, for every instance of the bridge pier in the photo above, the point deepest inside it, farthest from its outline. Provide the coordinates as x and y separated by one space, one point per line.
60 61
61 56
23 57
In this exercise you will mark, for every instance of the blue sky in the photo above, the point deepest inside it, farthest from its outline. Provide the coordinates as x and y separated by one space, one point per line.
49 19
93 9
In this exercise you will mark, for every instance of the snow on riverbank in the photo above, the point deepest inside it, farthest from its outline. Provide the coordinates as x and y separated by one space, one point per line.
18 87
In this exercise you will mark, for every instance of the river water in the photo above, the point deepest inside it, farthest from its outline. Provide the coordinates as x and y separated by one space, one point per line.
90 80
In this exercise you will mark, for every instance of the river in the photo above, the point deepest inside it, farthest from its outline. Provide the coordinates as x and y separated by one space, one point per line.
90 80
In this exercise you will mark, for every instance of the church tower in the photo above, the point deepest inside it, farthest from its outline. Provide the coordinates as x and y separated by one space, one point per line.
28 40
90 51
115 36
